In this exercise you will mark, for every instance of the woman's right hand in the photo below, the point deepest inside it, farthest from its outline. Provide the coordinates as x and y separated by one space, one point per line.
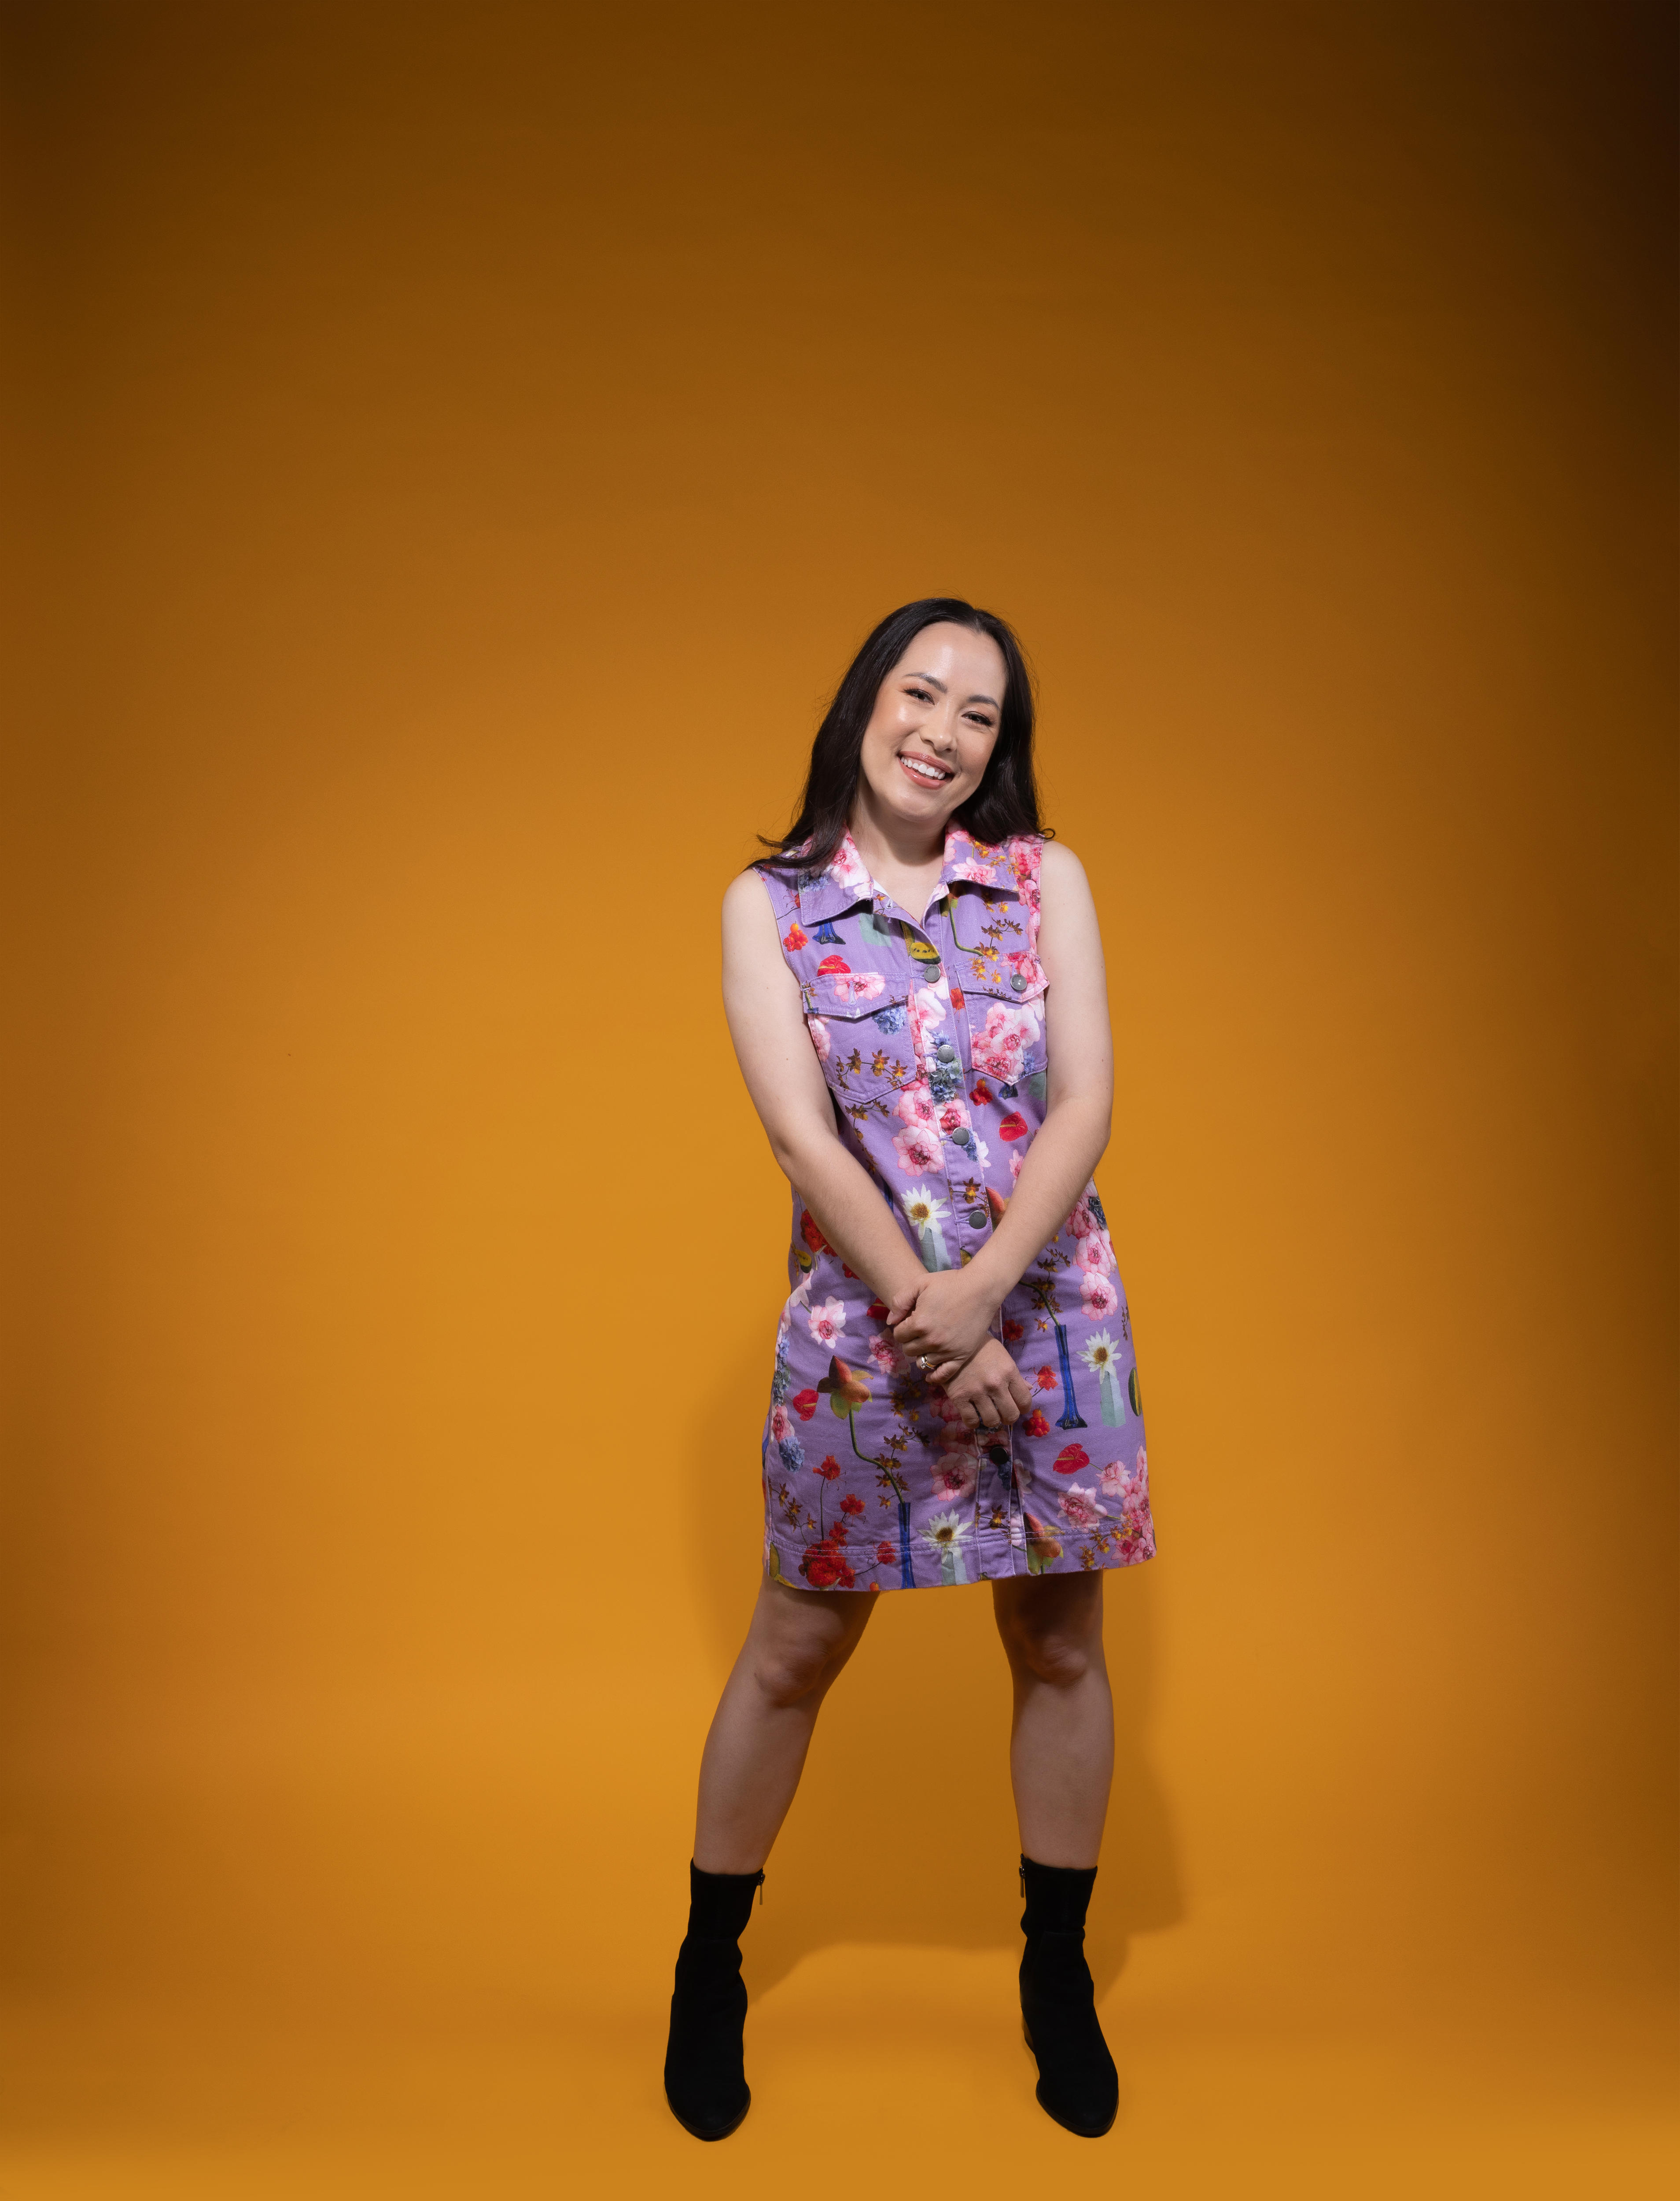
990 1389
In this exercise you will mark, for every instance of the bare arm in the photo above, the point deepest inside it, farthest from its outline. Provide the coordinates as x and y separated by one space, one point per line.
954 1310
773 1047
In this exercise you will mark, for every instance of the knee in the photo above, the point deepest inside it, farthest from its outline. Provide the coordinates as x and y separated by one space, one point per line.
787 1677
1049 1655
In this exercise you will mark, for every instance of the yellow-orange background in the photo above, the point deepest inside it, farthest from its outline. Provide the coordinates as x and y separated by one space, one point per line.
463 444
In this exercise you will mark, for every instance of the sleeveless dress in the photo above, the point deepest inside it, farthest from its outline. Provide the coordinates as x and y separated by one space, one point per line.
931 1035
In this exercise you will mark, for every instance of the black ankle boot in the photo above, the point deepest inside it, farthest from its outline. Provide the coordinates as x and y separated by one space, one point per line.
1077 2083
704 2080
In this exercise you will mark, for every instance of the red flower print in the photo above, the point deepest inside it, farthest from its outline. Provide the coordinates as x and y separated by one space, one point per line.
804 1404
812 1234
793 939
851 1504
828 1468
877 1310
1070 1458
1046 1379
956 997
885 1556
1014 1125
825 1568
1014 1331
845 1271
1035 1424
982 1096
833 965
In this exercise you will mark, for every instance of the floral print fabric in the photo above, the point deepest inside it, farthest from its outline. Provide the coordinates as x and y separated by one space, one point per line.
931 1035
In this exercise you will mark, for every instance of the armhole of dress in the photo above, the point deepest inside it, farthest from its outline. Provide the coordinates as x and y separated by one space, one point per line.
1035 870
784 908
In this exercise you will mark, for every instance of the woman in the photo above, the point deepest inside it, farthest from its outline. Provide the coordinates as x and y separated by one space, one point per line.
914 986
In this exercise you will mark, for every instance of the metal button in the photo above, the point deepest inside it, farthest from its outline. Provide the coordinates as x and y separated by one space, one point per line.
978 1216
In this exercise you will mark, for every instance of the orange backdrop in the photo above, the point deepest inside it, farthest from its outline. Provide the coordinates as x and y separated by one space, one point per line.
467 444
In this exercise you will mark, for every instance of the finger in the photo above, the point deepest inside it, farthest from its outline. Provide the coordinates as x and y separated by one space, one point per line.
1004 1410
1019 1393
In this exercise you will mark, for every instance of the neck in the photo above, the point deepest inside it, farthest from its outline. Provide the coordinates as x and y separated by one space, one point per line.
882 838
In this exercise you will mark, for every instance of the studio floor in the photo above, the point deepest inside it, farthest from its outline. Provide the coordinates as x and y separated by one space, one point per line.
900 2067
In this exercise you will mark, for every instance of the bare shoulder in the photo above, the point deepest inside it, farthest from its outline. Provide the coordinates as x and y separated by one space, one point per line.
751 941
745 903
1061 873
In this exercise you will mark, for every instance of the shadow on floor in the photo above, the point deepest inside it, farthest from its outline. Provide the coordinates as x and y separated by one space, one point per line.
903 1829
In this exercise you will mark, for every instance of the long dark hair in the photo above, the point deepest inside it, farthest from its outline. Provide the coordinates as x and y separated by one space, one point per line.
1007 800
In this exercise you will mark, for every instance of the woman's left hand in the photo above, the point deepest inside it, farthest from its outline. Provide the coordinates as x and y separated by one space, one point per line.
943 1322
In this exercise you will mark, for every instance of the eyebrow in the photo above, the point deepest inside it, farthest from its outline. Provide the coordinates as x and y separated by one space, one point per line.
934 681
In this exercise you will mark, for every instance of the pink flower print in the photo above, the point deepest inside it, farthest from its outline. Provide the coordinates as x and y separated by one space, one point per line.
954 1475
1082 1222
820 1039
781 1426
915 1103
1027 968
1000 1046
918 1149
982 875
1141 1463
885 1354
1015 1161
1099 1295
952 1115
1118 1481
927 1014
862 986
827 1320
1080 1507
847 868
1092 1254
1023 863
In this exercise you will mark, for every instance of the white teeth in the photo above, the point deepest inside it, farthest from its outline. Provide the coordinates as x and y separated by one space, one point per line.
930 772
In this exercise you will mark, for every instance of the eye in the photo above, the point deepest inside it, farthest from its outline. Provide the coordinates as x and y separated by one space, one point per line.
921 695
979 719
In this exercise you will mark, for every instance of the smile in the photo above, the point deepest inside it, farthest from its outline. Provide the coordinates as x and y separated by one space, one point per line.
925 770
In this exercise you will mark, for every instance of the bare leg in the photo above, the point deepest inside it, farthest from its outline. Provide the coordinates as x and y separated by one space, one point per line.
1061 1744
798 1641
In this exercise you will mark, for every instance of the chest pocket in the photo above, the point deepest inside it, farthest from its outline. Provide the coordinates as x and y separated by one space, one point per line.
866 1047
1006 1031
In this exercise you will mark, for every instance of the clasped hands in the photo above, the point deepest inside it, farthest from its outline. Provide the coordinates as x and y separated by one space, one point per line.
943 1322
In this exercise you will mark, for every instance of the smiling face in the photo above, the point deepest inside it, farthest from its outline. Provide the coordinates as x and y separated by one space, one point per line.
934 726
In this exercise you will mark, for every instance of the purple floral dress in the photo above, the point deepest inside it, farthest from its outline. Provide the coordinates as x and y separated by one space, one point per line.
931 1035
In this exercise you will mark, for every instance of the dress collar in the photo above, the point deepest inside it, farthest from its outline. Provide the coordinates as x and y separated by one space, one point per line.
844 882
